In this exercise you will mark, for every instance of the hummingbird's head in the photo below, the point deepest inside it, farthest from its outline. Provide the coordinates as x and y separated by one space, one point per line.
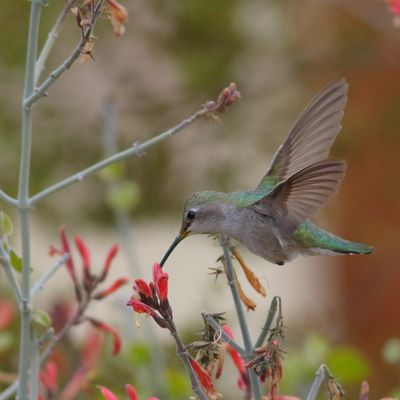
203 213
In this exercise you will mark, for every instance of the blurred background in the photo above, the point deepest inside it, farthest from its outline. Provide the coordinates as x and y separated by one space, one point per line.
173 57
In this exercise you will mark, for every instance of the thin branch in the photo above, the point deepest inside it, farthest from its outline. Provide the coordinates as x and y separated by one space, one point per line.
226 338
270 317
5 261
183 354
34 367
135 150
225 244
39 284
10 391
8 199
23 197
42 89
51 39
321 374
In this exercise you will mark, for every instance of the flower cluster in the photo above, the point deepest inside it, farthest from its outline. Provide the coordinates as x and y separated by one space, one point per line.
130 391
86 284
152 298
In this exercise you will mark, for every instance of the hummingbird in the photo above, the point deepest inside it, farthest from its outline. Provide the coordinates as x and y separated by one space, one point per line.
272 220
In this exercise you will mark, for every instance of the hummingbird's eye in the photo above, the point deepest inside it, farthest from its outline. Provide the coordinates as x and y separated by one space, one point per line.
190 215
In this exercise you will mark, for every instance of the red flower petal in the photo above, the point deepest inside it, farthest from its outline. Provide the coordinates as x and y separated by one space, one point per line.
66 249
107 328
157 272
111 289
204 378
131 392
394 6
108 395
162 286
84 252
140 307
48 376
160 279
110 256
6 313
142 287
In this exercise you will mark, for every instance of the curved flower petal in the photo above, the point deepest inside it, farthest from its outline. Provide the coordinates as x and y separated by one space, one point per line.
204 378
131 392
111 289
107 328
142 288
108 395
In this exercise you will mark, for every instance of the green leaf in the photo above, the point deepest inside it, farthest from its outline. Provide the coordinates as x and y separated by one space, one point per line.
42 318
16 261
391 351
6 226
140 353
124 196
348 365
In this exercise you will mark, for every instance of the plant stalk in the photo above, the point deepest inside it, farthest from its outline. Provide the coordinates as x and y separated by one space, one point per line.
182 353
23 198
267 325
39 284
51 39
255 384
135 150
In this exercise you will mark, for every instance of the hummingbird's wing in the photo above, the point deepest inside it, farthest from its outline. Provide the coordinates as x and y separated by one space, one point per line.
311 136
292 201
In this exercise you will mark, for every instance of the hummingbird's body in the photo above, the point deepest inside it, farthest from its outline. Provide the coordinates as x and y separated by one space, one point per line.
272 220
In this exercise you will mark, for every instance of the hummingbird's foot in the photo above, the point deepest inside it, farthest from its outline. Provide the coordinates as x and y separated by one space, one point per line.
280 262
250 275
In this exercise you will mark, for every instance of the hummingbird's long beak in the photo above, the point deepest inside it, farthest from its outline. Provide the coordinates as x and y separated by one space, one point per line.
175 243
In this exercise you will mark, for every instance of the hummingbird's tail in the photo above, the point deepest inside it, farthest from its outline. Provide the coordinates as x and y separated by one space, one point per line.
319 241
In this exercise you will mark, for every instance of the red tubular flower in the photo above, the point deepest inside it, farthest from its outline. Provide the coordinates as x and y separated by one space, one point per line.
243 380
142 288
106 328
108 395
6 313
160 279
110 256
111 289
48 377
131 392
140 307
66 249
394 6
85 254
204 378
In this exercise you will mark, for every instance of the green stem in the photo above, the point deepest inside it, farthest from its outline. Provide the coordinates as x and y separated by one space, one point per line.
267 325
184 356
135 150
5 261
35 368
320 376
42 89
226 338
255 384
8 199
39 284
23 197
51 39
10 391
